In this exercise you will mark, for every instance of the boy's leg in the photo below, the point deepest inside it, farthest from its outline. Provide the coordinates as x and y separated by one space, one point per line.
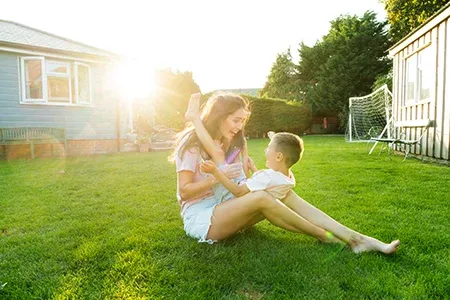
356 240
192 114
231 216
193 110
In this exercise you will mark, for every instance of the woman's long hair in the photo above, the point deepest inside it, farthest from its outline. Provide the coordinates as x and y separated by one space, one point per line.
218 107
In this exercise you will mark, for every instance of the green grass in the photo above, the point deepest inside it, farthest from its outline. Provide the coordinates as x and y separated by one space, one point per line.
109 227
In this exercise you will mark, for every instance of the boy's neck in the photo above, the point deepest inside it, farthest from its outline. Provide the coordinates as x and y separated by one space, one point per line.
282 169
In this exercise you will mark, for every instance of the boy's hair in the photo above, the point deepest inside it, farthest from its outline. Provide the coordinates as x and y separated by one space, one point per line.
290 145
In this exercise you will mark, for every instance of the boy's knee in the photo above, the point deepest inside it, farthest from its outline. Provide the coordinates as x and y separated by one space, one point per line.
264 199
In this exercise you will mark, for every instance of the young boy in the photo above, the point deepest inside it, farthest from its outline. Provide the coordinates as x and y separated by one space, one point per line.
284 150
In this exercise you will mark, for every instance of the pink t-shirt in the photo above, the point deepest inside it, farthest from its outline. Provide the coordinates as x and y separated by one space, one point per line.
190 161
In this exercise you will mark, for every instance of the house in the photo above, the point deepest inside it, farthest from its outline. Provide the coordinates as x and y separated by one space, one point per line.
50 81
421 84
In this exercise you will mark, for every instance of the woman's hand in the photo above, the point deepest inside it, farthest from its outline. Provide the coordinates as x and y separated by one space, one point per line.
233 170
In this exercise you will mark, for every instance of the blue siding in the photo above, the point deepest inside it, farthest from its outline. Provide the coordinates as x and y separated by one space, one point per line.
97 122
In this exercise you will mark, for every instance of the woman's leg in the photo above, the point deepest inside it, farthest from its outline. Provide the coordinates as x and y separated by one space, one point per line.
356 240
231 216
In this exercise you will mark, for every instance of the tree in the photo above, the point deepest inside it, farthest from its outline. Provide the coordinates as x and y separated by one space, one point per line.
345 63
281 80
173 91
405 15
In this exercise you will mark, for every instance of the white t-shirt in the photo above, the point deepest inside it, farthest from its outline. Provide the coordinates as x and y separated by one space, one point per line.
275 183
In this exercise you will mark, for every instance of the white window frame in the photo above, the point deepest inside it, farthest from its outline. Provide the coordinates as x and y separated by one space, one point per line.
417 83
60 75
408 62
23 82
45 99
420 66
77 96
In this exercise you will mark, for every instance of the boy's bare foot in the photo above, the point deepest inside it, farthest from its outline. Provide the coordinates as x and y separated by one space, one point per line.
365 244
193 110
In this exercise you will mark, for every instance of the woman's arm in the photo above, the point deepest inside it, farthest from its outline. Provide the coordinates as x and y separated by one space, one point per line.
189 189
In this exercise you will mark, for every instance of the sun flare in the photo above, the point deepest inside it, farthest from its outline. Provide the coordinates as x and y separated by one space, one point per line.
135 79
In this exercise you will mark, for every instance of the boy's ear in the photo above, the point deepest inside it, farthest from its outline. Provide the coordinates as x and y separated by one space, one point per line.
279 157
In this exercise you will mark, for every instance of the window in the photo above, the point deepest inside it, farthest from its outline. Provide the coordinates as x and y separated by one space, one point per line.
419 76
425 73
82 86
58 81
411 77
55 82
32 79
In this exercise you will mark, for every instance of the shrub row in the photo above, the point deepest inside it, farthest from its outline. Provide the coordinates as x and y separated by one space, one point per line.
276 115
266 115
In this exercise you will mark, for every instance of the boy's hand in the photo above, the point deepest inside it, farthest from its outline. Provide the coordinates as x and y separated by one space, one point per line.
193 111
251 165
270 134
209 167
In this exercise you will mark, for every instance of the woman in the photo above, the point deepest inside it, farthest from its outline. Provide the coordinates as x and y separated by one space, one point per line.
224 116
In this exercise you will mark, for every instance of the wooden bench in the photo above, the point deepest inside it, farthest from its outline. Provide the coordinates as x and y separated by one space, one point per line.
33 136
401 140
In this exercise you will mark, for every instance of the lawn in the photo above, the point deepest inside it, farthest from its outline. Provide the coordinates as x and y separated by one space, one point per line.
108 226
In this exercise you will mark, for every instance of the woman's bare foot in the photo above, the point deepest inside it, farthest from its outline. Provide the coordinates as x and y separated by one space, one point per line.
365 244
193 108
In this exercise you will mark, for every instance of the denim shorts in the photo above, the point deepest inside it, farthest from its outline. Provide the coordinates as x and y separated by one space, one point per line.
197 219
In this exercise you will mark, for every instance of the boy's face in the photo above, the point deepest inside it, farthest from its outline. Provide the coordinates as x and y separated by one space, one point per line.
271 155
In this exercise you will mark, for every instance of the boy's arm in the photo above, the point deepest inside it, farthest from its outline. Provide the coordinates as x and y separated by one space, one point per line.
245 164
235 189
251 165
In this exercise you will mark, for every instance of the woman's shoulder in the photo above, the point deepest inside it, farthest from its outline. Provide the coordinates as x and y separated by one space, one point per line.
182 151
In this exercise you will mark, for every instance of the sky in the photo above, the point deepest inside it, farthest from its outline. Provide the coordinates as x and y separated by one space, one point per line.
226 44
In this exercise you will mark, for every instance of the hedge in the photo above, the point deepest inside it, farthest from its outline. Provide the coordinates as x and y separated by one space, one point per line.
276 115
266 114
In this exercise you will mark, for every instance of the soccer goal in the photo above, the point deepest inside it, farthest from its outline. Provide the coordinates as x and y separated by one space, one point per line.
370 116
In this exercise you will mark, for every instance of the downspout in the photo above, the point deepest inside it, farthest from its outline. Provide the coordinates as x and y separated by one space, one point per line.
118 124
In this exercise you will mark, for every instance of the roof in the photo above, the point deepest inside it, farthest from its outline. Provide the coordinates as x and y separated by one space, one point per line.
434 20
22 35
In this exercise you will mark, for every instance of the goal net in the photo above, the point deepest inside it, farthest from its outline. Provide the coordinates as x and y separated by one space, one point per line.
370 116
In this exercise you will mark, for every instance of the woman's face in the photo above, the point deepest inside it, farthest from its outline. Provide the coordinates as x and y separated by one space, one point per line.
233 123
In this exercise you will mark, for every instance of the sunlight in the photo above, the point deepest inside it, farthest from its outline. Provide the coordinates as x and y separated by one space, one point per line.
135 79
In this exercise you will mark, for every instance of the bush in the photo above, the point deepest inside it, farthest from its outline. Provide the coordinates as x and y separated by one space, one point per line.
276 115
267 114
